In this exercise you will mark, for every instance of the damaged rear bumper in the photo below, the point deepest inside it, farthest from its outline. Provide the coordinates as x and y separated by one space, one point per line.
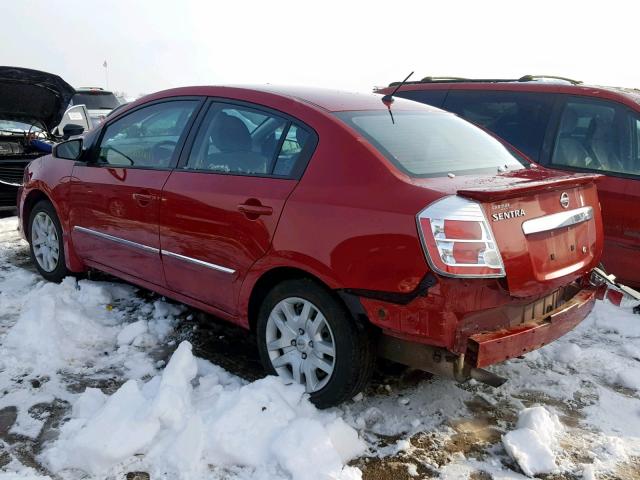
493 347
487 348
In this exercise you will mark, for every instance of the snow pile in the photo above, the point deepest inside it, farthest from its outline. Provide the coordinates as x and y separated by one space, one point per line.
14 471
615 321
62 325
68 326
174 429
533 441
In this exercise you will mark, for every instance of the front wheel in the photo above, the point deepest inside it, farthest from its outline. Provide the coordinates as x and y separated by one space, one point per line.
45 242
306 336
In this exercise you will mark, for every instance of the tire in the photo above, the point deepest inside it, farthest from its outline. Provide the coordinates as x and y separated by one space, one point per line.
50 261
301 320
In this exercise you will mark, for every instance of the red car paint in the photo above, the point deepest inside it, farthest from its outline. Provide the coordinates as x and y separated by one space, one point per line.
619 193
349 222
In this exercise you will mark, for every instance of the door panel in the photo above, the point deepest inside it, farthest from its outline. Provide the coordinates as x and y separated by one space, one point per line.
220 210
116 193
112 226
620 198
213 228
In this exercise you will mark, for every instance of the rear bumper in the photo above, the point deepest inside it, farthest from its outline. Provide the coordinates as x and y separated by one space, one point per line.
497 346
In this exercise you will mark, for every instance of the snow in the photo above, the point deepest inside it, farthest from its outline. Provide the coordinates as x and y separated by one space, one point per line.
72 318
131 332
532 443
180 428
22 474
132 396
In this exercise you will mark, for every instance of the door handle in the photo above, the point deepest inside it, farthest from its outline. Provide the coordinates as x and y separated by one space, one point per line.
143 198
253 211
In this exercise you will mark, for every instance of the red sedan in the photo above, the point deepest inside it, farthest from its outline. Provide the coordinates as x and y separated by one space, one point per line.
565 125
333 225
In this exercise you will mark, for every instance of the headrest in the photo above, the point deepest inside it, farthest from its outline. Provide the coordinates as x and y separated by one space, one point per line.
231 134
569 121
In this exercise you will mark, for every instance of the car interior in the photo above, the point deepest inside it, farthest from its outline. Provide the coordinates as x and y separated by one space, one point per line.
237 141
147 137
588 138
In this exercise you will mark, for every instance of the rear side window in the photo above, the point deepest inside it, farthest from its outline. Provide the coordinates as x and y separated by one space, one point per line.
293 147
431 144
240 140
434 98
521 118
599 136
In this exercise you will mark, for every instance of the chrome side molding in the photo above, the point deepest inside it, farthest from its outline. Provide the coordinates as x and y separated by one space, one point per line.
195 261
147 248
557 220
119 240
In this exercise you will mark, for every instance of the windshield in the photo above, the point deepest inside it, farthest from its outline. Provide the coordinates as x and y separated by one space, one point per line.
431 144
96 100
7 126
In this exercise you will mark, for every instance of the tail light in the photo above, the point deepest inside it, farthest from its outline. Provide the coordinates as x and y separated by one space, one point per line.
458 240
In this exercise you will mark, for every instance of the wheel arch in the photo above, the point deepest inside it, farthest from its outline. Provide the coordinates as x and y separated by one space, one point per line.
73 262
276 275
32 198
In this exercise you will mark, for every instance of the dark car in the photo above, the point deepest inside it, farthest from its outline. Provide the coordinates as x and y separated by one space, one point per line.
565 125
32 105
330 227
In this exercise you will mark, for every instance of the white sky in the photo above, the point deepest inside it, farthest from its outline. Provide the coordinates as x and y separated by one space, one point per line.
152 45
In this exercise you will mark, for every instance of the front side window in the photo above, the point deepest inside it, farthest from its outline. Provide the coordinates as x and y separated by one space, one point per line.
240 140
521 118
148 137
431 144
594 136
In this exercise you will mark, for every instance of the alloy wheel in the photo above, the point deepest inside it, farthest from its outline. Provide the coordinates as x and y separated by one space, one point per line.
300 343
45 242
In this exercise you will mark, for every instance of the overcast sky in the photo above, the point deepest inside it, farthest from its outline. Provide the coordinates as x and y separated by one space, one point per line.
152 45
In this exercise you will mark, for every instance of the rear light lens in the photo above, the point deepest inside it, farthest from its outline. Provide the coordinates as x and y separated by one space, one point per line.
458 240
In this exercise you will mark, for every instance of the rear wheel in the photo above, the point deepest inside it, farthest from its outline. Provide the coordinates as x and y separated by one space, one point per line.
306 336
45 242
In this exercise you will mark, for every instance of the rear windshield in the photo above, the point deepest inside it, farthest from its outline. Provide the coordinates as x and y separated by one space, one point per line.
432 144
96 100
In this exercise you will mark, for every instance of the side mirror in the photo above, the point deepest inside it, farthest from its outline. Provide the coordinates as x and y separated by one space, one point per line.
69 150
71 130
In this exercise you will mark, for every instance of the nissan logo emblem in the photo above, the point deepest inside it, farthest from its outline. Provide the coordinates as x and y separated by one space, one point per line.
564 200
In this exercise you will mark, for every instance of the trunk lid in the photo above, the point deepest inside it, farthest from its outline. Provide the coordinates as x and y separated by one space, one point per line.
547 224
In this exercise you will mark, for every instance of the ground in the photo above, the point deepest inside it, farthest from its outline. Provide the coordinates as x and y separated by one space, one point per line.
99 379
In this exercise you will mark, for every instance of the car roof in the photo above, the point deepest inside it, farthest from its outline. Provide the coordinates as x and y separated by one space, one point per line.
326 99
98 90
528 83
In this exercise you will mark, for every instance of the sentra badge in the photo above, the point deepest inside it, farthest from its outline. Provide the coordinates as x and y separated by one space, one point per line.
508 214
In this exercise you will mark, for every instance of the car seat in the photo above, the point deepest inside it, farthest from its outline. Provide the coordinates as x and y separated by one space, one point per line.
233 140
569 150
601 143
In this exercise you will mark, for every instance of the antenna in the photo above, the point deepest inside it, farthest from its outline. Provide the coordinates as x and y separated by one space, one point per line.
388 98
